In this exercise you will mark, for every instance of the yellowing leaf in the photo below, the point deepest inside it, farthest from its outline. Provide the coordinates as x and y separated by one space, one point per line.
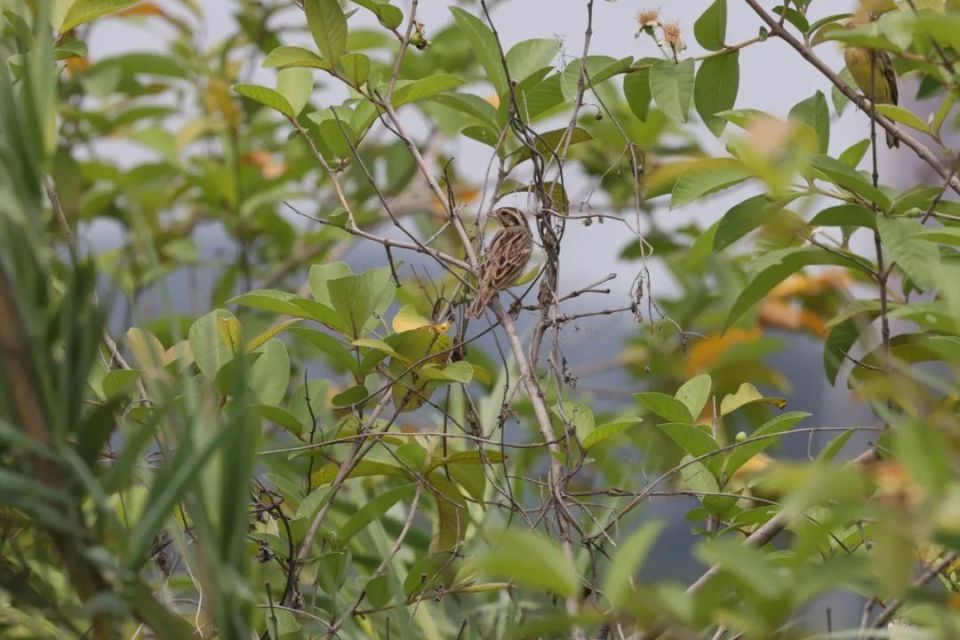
746 394
407 319
230 332
258 340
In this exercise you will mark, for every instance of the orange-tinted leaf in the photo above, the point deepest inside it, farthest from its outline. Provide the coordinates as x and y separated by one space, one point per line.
784 315
142 9
810 285
706 352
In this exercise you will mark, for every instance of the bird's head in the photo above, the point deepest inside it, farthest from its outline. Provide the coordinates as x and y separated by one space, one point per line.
510 217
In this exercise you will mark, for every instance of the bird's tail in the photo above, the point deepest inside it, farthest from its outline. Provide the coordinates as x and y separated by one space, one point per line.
479 304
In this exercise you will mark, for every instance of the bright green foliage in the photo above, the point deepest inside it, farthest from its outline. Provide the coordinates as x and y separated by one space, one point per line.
240 397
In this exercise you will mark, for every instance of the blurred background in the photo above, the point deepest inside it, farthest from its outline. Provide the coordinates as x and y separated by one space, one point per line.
772 81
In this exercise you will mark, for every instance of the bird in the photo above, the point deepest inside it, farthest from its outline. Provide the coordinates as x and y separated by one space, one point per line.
873 72
505 259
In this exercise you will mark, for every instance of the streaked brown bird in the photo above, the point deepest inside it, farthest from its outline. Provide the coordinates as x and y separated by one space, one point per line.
505 259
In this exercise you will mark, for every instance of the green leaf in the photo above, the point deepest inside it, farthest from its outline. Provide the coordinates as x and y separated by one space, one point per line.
328 26
388 15
743 218
83 11
852 155
694 393
918 259
279 302
267 97
579 415
378 591
747 394
305 413
701 479
794 17
742 117
482 134
840 174
833 448
425 88
815 112
759 440
710 29
354 299
280 416
543 98
354 395
269 375
783 264
618 585
606 431
549 143
839 99
119 381
372 510
693 439
295 84
461 372
471 105
944 28
326 474
706 177
717 83
169 486
924 453
599 68
944 235
214 341
484 46
528 56
748 564
845 215
665 406
289 56
148 352
904 117
671 85
450 520
838 344
332 571
531 560
636 90
356 68
333 348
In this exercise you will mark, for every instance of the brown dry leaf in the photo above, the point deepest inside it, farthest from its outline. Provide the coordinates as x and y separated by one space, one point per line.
706 352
